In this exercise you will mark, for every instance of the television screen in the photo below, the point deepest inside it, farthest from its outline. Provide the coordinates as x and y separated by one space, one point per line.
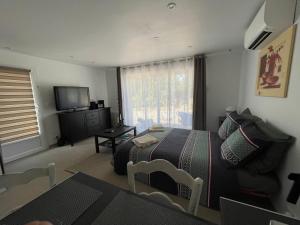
71 97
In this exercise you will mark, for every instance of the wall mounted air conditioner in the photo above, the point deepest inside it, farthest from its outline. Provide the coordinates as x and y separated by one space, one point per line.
273 17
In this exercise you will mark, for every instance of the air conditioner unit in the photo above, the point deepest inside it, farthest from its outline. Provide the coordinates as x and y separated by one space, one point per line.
273 17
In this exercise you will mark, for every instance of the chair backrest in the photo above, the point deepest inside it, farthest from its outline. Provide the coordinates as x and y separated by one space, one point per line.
8 181
178 175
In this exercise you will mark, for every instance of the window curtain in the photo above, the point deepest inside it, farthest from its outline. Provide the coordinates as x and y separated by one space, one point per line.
199 105
158 93
120 103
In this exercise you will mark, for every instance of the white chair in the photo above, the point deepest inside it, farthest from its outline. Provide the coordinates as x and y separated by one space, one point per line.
178 175
8 181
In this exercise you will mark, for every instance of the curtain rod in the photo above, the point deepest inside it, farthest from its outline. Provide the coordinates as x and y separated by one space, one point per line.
159 62
206 55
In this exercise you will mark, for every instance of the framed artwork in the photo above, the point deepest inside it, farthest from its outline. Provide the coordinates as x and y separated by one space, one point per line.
274 65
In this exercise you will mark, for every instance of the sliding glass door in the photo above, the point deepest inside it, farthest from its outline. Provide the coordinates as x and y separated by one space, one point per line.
158 93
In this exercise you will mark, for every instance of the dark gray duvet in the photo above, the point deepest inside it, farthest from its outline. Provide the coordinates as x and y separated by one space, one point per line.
197 152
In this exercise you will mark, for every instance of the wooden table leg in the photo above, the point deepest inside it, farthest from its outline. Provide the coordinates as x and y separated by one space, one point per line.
113 145
97 144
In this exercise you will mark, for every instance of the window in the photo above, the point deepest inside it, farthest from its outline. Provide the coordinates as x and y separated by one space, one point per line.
18 118
158 93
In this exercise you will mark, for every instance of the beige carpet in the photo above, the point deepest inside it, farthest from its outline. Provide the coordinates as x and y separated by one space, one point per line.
99 166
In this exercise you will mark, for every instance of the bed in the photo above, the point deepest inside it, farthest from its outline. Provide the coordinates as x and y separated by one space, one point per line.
197 152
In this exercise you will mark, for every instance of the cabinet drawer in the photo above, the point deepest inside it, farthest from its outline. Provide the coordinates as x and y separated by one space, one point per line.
92 122
92 115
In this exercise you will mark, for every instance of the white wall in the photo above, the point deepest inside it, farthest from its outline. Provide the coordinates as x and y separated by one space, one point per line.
223 77
46 74
282 112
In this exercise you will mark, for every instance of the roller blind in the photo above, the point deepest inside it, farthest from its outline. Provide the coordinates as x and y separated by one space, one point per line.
18 117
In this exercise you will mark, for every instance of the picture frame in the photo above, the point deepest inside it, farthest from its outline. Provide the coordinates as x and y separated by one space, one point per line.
275 64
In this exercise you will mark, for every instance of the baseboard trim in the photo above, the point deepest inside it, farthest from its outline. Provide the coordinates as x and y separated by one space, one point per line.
23 154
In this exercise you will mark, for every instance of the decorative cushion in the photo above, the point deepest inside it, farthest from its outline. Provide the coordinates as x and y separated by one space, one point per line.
243 144
271 158
231 123
247 115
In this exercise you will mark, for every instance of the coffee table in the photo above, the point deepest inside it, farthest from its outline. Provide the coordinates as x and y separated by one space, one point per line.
112 134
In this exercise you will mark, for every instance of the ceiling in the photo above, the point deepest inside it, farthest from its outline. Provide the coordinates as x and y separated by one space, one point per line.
122 32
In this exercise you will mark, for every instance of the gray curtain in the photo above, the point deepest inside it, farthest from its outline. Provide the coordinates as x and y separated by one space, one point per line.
199 99
120 102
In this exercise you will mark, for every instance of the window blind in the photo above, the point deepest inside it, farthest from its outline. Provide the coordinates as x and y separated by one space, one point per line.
18 118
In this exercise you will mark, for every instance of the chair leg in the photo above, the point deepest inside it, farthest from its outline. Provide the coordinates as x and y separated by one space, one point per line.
52 174
130 177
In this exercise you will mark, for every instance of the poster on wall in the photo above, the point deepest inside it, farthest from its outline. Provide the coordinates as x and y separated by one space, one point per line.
274 65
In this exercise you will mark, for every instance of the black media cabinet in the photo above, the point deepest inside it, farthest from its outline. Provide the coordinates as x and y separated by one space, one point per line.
78 125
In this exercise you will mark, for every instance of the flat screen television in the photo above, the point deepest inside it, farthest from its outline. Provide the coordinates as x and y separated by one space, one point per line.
67 98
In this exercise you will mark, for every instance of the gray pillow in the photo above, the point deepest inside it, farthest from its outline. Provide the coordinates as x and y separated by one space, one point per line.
259 183
270 159
247 115
246 112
